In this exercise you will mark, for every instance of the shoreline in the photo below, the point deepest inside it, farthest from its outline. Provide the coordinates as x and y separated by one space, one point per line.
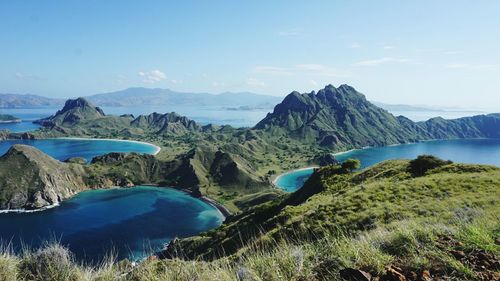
220 208
156 147
24 211
275 180
223 211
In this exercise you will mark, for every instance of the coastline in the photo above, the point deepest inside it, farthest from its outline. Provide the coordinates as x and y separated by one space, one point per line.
275 180
156 147
22 211
221 208
223 211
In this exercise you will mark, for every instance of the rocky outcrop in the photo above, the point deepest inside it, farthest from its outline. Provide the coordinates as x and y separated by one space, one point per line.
73 112
30 179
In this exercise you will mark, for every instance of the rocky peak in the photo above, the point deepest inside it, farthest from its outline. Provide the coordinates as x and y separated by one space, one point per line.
74 111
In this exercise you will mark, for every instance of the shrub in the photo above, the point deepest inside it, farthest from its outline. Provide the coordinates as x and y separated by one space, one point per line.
350 165
423 163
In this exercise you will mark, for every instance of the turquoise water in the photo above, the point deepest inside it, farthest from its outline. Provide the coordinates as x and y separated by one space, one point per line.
478 151
63 149
130 222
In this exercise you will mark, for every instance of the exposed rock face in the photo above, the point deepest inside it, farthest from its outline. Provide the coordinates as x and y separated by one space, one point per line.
343 117
72 113
30 179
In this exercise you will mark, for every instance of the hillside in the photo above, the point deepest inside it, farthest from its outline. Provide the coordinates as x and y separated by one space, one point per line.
388 222
80 117
362 204
342 118
30 179
73 112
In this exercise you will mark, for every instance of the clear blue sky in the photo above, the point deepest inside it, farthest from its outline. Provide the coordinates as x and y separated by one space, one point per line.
423 52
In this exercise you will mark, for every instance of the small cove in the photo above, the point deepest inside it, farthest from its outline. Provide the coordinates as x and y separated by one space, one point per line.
64 148
475 151
130 222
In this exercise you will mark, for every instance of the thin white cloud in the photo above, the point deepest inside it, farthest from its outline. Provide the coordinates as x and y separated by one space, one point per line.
272 70
388 47
217 84
291 32
256 83
355 46
300 69
152 76
384 60
473 66
453 52
25 76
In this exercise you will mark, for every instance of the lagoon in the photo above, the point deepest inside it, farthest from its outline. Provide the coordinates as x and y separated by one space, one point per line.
64 148
476 151
132 223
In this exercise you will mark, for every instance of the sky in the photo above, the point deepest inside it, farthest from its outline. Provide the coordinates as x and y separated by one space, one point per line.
444 53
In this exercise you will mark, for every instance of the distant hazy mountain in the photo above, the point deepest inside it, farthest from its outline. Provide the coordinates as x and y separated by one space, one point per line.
23 101
150 97
407 107
157 96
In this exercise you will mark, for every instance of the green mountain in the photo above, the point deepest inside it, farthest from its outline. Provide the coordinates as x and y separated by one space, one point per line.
30 179
166 123
342 117
73 112
79 117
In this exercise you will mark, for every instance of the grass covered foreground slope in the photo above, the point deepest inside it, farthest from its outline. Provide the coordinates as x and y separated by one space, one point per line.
391 199
399 220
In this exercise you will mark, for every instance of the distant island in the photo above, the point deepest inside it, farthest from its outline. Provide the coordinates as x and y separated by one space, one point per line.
139 96
7 118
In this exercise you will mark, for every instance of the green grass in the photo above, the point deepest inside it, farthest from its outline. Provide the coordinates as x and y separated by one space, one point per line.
384 215
410 244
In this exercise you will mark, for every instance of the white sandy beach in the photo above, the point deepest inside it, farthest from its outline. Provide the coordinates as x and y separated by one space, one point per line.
157 148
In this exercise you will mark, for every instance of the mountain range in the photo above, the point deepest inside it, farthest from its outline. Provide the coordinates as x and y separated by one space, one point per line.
298 132
343 117
150 97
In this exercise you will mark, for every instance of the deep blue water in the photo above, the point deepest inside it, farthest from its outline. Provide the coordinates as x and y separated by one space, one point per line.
130 222
478 151
63 149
